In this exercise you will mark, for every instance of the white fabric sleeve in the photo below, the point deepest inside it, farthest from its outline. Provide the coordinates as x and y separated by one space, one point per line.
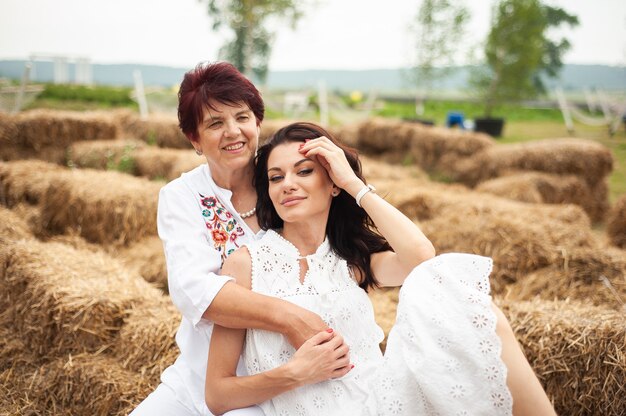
192 260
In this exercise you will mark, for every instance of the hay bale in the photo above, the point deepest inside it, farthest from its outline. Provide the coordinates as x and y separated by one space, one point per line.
146 344
424 201
8 128
517 246
593 275
134 157
540 187
12 226
616 224
378 136
103 154
577 351
347 134
158 129
31 216
102 207
65 300
38 129
146 258
168 164
520 237
432 148
26 181
83 384
381 172
587 159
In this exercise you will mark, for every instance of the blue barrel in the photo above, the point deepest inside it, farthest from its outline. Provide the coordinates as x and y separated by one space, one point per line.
455 118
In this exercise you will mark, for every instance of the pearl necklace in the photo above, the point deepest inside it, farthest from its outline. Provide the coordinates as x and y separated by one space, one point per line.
247 214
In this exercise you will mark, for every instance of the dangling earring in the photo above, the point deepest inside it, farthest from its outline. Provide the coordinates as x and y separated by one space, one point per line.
335 192
199 152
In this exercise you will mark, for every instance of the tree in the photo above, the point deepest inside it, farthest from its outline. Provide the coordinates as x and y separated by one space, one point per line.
250 48
439 26
518 52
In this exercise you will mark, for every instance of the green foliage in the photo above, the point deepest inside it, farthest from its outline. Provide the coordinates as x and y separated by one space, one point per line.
438 111
125 163
106 96
554 50
517 51
250 48
439 26
151 138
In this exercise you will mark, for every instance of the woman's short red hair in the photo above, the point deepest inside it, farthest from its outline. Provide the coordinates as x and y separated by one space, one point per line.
219 81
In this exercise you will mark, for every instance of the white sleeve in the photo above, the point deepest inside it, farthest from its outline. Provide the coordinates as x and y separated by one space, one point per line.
192 261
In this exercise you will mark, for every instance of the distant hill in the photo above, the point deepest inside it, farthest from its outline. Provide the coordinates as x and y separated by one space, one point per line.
573 77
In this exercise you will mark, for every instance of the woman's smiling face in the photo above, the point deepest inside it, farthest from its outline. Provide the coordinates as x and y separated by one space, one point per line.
299 187
228 136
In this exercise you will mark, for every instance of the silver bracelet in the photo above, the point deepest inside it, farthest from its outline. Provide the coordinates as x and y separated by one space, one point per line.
362 192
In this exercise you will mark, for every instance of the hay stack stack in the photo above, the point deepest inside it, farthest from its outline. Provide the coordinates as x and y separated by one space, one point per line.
616 224
586 159
85 384
26 180
432 148
547 188
347 134
594 275
382 173
8 132
102 154
423 201
146 258
103 207
521 238
518 246
45 134
12 227
79 333
65 300
146 343
577 351
158 129
168 164
134 157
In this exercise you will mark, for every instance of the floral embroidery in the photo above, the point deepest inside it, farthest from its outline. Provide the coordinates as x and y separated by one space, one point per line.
221 225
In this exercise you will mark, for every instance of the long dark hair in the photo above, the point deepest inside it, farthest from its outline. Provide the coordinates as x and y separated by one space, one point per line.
350 231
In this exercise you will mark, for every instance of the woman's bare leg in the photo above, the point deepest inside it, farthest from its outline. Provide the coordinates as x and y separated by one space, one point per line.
529 398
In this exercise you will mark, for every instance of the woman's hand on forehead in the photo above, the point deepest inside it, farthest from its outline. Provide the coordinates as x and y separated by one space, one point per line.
334 160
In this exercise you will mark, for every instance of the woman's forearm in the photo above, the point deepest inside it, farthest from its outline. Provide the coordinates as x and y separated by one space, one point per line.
237 307
236 392
324 356
404 236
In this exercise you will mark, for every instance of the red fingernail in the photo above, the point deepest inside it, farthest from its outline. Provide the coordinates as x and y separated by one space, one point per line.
329 330
351 366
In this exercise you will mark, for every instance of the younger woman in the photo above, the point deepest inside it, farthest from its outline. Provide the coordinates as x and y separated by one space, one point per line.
331 237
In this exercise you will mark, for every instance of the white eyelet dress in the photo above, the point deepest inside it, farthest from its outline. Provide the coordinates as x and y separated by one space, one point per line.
442 356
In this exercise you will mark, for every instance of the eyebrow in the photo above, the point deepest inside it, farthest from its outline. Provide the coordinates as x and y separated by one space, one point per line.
299 162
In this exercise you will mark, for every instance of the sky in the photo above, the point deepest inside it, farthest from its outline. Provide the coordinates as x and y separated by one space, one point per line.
334 34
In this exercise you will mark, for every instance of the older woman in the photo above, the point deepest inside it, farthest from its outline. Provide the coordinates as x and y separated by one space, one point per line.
205 215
